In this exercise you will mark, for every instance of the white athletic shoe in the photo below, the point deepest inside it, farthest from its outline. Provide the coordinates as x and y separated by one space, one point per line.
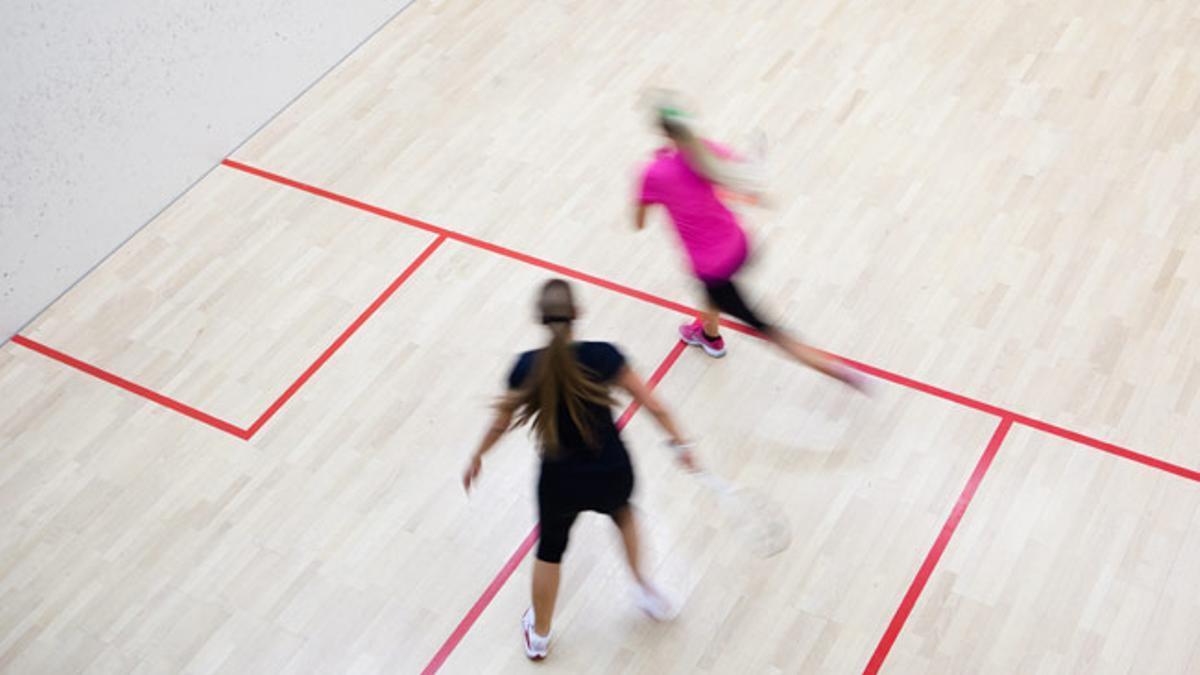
536 645
651 601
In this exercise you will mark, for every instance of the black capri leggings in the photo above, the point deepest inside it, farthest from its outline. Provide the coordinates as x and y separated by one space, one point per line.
726 297
562 495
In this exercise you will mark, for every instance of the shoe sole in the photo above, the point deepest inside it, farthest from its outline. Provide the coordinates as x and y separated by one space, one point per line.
665 613
707 350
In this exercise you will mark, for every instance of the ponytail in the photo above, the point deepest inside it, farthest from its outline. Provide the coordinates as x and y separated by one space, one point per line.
698 156
736 176
558 380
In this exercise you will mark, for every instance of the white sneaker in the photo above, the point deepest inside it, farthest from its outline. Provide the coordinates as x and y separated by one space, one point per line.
651 601
536 645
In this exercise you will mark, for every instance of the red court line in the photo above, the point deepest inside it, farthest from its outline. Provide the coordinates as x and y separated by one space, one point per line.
925 388
630 292
165 401
655 378
1025 420
467 239
489 593
244 434
939 545
875 371
346 334
481 604
1103 446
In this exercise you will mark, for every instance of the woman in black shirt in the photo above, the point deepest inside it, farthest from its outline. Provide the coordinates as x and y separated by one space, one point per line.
562 392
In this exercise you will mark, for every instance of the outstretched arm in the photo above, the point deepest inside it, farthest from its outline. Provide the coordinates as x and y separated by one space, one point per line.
500 425
630 382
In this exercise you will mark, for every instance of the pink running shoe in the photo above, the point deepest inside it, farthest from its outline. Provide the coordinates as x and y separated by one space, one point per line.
693 334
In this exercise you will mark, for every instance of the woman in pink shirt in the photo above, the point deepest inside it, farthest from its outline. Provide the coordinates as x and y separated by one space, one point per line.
684 178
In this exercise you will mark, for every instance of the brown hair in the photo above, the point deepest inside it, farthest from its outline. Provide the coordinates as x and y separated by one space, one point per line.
557 378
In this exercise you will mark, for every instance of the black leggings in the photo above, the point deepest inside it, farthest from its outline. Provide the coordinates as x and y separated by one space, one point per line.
564 494
726 297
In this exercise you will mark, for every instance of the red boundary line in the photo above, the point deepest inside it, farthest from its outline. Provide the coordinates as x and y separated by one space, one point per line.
469 240
482 603
875 371
1067 434
346 334
1024 420
1007 417
444 233
924 388
939 546
489 593
199 415
165 401
655 377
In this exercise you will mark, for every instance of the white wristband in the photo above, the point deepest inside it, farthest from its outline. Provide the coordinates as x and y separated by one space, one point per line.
681 448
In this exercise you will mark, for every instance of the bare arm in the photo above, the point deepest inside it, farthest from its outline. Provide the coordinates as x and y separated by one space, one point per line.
630 382
499 426
735 175
639 217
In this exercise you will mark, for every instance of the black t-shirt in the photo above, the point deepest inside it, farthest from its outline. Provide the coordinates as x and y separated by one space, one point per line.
602 361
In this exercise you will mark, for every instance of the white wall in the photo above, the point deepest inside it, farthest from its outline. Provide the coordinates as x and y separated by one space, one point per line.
111 109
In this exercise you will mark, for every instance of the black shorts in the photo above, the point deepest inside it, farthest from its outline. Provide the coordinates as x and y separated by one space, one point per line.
564 494
725 296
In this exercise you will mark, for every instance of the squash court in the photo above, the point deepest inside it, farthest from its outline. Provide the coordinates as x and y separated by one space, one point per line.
236 445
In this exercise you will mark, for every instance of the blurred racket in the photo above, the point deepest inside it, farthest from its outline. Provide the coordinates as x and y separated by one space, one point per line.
754 518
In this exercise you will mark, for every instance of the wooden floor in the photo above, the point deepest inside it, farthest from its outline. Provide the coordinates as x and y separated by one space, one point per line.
235 446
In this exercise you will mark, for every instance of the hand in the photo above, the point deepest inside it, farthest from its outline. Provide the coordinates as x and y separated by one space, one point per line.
763 201
472 472
684 455
687 460
751 198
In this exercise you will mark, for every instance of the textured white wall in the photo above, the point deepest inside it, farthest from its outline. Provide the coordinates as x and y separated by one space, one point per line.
109 110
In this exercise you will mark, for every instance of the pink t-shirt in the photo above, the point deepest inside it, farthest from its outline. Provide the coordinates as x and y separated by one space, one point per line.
715 243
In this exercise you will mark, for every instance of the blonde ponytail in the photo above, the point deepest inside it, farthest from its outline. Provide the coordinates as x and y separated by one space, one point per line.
737 176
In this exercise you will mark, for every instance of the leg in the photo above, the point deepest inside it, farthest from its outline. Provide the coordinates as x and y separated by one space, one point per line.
629 537
545 594
814 358
711 319
557 516
645 596
726 296
648 598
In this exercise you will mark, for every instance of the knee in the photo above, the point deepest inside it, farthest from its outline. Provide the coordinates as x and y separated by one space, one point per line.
551 546
623 517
